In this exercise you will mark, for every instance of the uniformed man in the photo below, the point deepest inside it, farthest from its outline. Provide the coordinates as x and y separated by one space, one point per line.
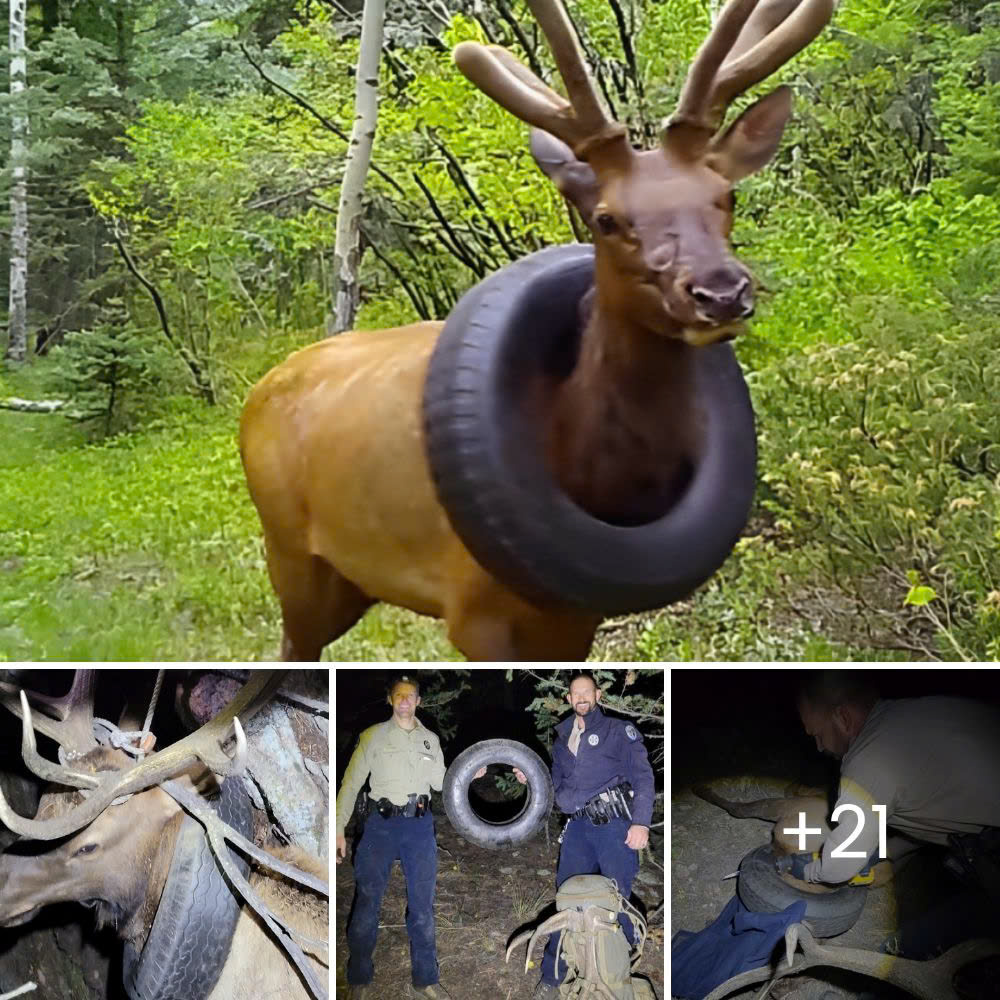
405 762
932 765
595 759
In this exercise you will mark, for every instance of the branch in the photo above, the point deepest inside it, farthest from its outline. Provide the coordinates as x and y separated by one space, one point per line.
194 366
300 101
31 406
413 293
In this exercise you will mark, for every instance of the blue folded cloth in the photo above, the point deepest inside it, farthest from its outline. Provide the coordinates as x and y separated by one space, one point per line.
737 941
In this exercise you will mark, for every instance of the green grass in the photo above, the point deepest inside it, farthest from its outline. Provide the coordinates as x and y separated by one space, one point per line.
146 546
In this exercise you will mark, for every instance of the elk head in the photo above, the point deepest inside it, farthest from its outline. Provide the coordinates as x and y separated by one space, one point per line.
115 829
661 218
115 865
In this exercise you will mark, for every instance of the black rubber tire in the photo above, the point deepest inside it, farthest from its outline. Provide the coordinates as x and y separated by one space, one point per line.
491 477
194 923
496 836
763 890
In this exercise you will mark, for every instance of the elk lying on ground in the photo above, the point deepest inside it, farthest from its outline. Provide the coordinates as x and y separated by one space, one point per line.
783 812
118 862
332 441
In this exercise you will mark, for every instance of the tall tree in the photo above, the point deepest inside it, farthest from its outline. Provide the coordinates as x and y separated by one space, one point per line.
347 249
17 344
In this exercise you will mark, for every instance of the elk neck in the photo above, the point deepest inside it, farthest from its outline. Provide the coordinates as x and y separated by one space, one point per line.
624 430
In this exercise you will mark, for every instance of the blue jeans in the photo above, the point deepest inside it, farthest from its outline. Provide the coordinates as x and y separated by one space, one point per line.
384 840
592 850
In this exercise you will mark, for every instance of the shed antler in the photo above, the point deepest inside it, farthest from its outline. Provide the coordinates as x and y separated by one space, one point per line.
931 980
205 745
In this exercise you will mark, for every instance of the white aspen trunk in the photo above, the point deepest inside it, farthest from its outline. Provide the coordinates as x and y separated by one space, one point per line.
347 249
17 343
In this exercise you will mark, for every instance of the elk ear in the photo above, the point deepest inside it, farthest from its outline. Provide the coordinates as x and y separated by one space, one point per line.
750 142
574 178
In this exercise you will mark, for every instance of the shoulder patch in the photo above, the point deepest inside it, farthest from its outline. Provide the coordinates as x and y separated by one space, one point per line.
632 733
427 744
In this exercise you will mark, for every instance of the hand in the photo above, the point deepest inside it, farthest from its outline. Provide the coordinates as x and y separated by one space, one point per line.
341 848
479 773
637 837
521 776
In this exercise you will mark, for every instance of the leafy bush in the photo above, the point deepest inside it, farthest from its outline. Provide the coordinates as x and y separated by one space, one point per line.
105 373
881 464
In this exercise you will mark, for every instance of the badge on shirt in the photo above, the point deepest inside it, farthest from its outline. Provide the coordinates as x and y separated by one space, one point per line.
593 739
427 744
630 732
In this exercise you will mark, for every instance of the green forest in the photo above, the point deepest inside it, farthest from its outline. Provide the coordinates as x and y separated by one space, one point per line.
183 164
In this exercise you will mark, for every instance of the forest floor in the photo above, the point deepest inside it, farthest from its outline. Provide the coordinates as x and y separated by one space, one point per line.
483 898
145 546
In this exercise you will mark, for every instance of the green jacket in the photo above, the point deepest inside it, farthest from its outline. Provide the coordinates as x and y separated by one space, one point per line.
399 762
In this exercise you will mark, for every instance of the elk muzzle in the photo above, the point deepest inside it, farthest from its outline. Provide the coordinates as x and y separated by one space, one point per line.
723 296
26 885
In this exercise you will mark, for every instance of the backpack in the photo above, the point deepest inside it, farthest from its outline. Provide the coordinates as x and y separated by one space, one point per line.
591 941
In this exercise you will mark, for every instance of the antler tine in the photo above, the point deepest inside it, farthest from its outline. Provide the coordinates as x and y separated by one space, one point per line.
693 106
203 745
580 121
749 41
38 765
556 922
68 719
555 25
521 937
777 31
514 87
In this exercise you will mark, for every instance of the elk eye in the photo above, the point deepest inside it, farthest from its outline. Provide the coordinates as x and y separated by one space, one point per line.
606 224
86 849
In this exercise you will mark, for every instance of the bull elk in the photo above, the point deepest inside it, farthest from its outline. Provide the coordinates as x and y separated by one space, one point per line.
333 440
144 866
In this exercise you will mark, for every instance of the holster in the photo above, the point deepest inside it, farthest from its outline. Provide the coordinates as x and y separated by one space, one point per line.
612 803
416 806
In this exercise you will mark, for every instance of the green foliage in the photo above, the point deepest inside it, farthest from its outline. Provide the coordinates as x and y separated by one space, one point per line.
439 694
882 468
104 374
637 694
875 233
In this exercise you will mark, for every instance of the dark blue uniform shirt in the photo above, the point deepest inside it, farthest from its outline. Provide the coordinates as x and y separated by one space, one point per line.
609 753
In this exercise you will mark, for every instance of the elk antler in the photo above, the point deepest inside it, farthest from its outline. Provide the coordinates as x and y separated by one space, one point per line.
580 122
69 721
205 744
758 38
931 980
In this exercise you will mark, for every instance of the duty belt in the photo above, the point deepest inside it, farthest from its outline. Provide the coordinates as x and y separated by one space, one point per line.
612 803
416 806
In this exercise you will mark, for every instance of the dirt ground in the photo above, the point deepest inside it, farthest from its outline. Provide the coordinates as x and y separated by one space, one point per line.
483 898
707 844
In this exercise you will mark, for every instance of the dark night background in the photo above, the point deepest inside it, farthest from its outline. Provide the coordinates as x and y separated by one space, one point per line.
482 897
494 708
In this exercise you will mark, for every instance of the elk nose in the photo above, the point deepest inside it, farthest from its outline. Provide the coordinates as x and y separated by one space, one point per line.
724 295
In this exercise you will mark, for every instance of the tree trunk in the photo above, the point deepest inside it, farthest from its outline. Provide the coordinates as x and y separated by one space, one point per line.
347 249
17 345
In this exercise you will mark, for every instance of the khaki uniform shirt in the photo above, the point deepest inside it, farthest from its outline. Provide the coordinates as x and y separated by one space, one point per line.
932 762
400 763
